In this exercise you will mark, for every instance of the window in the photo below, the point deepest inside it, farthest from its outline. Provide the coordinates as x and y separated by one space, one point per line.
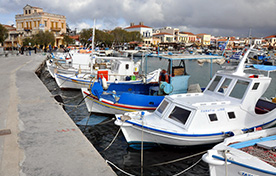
214 83
239 89
224 86
162 107
45 22
213 117
231 115
29 11
26 11
127 66
256 85
180 115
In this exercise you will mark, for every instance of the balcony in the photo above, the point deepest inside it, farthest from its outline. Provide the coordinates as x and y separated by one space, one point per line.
55 29
27 29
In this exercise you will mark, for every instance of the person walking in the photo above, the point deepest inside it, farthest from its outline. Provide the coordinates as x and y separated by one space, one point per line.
30 51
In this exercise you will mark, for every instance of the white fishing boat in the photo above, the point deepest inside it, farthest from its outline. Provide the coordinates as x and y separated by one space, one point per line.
68 63
116 70
229 105
249 154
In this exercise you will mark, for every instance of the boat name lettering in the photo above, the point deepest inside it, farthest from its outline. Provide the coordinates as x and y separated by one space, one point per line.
246 173
213 110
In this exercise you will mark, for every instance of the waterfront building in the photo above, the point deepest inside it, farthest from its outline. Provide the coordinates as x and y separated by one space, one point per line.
164 37
13 39
271 40
183 38
205 39
191 39
156 41
145 31
35 19
174 32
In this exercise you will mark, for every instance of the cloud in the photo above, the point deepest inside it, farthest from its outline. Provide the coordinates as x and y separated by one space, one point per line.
223 17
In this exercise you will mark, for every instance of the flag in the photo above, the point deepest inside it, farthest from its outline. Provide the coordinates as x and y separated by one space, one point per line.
90 39
236 55
222 47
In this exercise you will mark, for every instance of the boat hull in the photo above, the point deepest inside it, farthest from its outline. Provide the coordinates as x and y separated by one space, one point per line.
238 161
94 104
133 134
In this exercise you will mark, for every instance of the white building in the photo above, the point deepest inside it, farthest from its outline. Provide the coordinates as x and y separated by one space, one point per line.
145 31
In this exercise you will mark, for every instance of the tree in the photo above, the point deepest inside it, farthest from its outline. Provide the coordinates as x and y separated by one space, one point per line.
85 34
44 38
28 41
67 39
103 38
122 36
3 33
134 36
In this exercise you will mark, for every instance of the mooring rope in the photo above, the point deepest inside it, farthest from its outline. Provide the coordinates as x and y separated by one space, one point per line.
188 168
113 139
185 170
119 168
176 160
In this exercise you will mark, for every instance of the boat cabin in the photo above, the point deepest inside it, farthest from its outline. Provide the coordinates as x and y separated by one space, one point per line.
227 99
177 78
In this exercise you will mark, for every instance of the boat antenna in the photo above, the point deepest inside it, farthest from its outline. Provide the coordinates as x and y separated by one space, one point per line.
93 36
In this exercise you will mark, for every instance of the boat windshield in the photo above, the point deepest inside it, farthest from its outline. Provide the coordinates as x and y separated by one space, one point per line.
224 86
162 107
180 115
214 83
239 89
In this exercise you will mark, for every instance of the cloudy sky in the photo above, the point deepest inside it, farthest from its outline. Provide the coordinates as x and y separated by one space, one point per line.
216 17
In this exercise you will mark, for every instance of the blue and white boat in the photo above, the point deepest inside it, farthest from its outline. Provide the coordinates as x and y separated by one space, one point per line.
121 98
249 154
229 105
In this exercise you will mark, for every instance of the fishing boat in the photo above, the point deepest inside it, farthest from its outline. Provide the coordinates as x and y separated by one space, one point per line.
247 154
229 105
68 63
116 70
121 98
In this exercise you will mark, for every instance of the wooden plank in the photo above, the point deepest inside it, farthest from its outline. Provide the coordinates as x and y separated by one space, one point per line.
5 132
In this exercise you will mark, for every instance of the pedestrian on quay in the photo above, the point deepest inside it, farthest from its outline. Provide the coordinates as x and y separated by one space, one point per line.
30 51
22 50
35 49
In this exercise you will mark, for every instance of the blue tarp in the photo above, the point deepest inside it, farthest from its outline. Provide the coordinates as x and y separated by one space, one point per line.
265 67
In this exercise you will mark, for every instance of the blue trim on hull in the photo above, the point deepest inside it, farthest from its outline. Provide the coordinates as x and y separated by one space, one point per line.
197 135
244 165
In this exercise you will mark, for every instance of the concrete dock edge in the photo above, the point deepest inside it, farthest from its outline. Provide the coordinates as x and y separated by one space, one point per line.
43 140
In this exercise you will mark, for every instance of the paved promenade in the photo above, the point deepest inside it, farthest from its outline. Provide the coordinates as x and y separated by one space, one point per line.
43 140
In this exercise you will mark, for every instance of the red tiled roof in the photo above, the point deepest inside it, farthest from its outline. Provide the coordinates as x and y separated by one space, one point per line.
75 37
189 33
137 26
271 36
162 33
202 34
10 28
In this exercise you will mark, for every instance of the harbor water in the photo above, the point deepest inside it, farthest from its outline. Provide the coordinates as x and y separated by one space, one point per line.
160 160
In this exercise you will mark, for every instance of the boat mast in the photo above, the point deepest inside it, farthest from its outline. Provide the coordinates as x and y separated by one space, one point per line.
93 36
240 68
